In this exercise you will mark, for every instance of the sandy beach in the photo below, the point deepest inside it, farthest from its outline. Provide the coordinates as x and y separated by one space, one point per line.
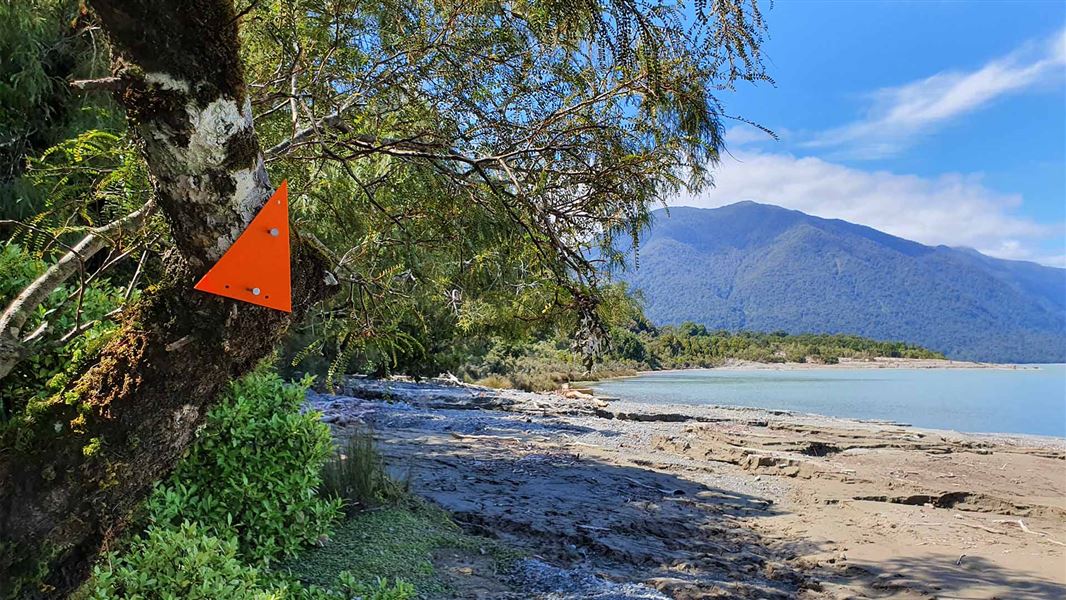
614 499
734 364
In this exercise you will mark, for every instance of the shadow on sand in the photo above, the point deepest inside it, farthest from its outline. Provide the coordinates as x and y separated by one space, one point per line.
514 477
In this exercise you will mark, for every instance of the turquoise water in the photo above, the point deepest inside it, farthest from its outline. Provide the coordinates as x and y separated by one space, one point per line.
976 400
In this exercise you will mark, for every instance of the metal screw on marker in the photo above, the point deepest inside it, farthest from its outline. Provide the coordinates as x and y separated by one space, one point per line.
274 231
255 291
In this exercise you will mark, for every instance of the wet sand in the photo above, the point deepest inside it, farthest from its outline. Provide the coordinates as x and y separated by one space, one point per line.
711 502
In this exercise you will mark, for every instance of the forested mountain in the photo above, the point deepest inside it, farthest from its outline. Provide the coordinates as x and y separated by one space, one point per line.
758 267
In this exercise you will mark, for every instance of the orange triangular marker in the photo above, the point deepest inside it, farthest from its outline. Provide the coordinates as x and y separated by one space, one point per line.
255 269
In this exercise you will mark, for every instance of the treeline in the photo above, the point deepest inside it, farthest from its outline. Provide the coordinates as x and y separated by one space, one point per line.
692 345
637 345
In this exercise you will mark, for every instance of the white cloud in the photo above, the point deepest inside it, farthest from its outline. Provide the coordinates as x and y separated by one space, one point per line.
952 209
899 115
742 135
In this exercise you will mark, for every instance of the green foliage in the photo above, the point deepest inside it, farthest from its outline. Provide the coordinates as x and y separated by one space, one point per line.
244 495
380 589
691 345
44 44
396 543
482 153
187 563
538 365
88 180
544 362
83 182
177 562
356 475
476 155
253 472
54 356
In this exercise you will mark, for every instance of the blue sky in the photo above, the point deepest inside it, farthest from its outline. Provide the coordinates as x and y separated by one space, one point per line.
943 122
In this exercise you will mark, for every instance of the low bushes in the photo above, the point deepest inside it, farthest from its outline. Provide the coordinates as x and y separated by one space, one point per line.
253 472
247 494
181 562
187 563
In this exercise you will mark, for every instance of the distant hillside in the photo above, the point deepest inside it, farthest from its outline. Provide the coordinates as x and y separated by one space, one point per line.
764 268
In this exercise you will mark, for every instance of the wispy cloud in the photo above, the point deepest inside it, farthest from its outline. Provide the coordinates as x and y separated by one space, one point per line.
952 209
899 115
743 135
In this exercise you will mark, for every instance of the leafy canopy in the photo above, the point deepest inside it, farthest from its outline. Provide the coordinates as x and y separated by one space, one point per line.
469 167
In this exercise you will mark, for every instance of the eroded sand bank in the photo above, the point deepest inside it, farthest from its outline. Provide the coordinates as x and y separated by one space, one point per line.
624 500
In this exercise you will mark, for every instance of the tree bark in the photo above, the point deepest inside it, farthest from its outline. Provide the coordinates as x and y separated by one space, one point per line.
73 468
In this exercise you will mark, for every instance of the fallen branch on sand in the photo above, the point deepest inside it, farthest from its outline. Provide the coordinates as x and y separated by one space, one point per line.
1021 525
962 521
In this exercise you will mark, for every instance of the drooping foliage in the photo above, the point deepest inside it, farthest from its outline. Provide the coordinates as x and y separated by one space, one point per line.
461 163
43 45
467 158
464 168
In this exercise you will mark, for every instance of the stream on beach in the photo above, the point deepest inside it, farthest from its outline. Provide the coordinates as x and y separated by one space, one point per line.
1024 400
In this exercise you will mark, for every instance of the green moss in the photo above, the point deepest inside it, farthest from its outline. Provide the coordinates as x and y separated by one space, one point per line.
93 447
392 543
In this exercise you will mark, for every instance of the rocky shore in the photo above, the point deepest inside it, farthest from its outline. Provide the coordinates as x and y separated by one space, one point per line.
618 500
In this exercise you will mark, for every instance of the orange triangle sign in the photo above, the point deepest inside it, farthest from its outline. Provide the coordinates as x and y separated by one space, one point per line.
255 269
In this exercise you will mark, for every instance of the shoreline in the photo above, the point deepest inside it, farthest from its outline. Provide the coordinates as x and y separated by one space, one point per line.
845 364
590 388
698 501
698 411
850 364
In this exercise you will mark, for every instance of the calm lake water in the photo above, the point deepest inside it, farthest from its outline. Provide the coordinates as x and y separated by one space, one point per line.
975 400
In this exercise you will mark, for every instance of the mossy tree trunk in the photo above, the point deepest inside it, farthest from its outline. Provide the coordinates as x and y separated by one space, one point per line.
71 469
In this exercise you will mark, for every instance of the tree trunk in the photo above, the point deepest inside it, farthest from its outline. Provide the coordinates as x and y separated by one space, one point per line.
71 469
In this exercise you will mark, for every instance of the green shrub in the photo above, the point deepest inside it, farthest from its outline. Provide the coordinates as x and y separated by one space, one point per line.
253 472
381 589
187 563
495 381
357 476
183 562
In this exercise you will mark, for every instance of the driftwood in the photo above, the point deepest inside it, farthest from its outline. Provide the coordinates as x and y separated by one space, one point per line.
1021 525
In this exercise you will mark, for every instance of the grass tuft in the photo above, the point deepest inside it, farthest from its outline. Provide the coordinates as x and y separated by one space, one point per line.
356 475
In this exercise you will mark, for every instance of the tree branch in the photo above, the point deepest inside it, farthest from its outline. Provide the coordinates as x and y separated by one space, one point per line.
19 310
108 84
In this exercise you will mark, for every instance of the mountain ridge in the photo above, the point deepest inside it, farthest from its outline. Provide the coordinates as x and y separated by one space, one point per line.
763 267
